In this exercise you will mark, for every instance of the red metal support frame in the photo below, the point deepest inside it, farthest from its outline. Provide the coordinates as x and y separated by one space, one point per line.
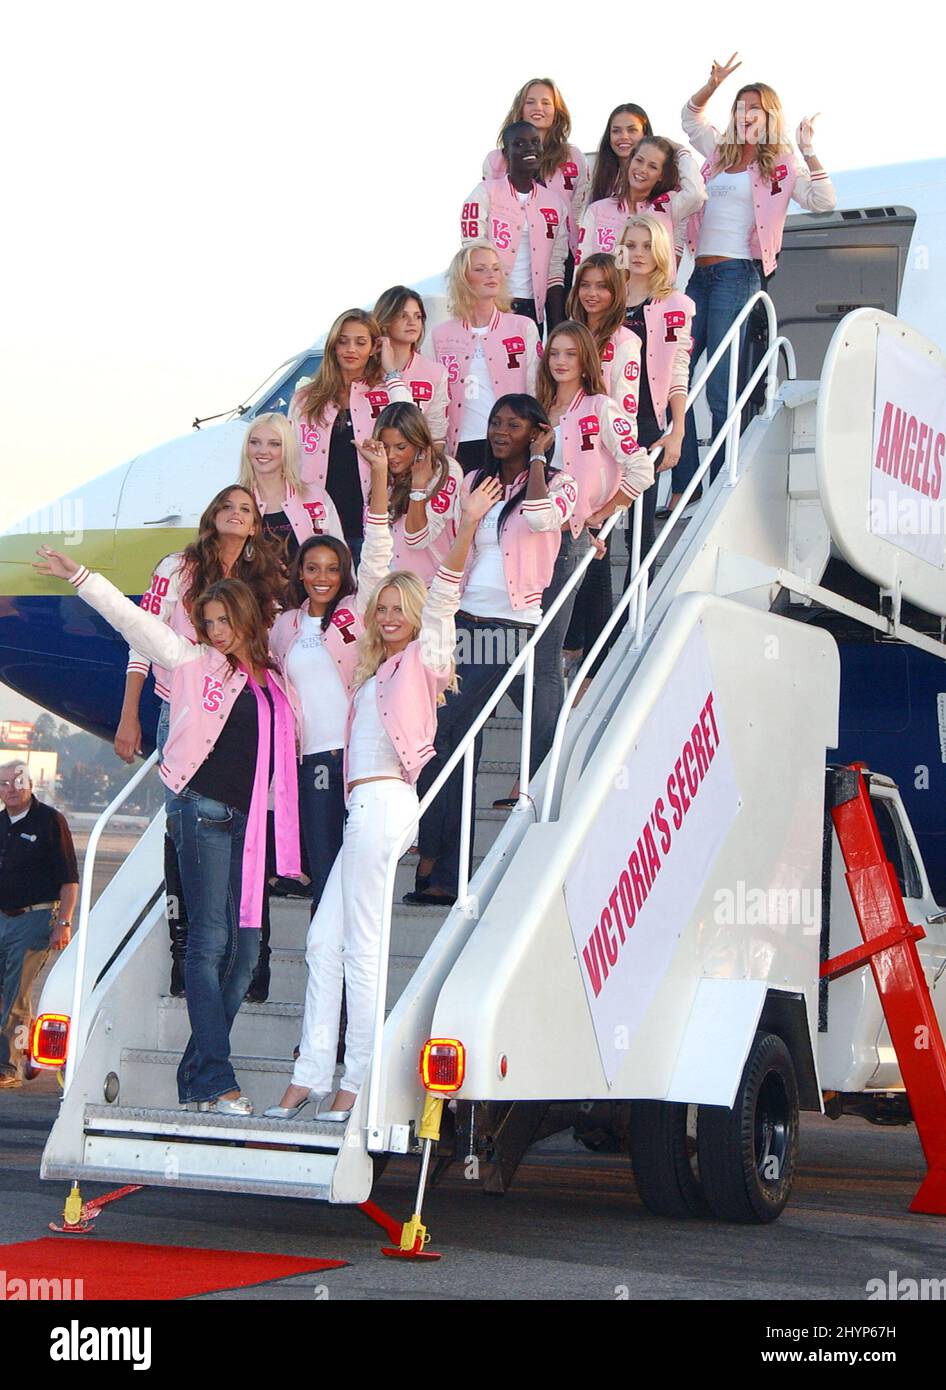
890 946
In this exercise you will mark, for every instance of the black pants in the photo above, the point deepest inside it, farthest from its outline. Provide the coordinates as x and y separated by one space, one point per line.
527 308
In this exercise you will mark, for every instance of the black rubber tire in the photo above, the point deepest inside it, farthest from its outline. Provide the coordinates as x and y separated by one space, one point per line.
748 1155
661 1158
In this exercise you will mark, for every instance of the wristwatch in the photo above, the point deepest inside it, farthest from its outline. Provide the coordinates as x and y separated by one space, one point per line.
416 495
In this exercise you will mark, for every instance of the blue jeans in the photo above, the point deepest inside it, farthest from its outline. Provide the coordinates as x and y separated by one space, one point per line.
24 946
208 837
548 694
321 814
719 292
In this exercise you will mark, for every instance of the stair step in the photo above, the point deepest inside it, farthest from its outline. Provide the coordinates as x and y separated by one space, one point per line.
149 1078
180 1123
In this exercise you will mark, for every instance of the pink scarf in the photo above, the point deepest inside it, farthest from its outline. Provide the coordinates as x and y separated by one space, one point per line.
286 801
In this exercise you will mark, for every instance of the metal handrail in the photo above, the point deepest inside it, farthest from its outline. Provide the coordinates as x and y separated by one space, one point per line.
636 591
85 907
465 749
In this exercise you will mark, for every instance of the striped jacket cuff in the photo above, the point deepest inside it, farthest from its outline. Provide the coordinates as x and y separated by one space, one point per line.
80 576
373 519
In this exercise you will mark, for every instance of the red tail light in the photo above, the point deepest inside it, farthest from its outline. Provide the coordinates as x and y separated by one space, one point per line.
442 1064
49 1040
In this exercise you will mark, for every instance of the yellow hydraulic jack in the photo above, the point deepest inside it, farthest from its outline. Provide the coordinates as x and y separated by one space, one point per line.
78 1216
412 1236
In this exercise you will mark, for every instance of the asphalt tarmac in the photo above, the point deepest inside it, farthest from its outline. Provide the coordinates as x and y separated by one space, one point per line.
571 1227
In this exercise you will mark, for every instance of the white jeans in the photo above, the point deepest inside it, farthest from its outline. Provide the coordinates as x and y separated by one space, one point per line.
345 934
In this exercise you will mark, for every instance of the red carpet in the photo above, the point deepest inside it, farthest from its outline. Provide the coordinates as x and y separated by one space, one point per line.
121 1269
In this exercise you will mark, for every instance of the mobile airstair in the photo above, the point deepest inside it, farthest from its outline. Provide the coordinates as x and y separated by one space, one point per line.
597 952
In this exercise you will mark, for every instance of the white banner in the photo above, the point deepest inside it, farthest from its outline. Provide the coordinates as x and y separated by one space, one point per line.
907 483
648 855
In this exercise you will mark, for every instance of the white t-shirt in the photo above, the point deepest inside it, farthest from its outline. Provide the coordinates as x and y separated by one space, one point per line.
486 594
519 279
315 677
370 750
728 217
479 390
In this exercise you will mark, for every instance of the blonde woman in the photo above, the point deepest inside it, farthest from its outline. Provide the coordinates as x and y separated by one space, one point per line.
269 468
402 319
562 166
660 316
405 666
487 351
752 174
356 380
423 492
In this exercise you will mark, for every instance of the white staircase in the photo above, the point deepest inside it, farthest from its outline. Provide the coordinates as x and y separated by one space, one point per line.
758 539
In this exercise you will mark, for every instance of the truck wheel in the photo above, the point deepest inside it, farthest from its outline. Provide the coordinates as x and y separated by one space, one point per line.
748 1154
662 1157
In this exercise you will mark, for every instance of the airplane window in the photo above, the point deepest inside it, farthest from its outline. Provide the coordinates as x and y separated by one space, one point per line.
281 394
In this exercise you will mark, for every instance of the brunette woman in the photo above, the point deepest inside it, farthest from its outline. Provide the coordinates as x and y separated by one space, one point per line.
230 544
597 302
231 740
596 444
402 319
423 493
405 666
625 128
356 380
485 350
314 642
511 564
660 178
562 166
269 468
752 174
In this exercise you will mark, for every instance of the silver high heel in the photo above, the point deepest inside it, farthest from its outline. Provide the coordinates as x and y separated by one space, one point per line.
335 1117
289 1112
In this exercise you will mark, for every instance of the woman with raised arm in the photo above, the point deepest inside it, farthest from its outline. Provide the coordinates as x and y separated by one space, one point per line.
597 302
402 319
752 174
423 492
231 744
230 543
405 666
356 380
660 317
314 642
526 223
562 167
486 351
660 178
512 563
269 468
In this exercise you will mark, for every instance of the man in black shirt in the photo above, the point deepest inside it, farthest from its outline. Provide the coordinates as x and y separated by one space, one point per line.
39 885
